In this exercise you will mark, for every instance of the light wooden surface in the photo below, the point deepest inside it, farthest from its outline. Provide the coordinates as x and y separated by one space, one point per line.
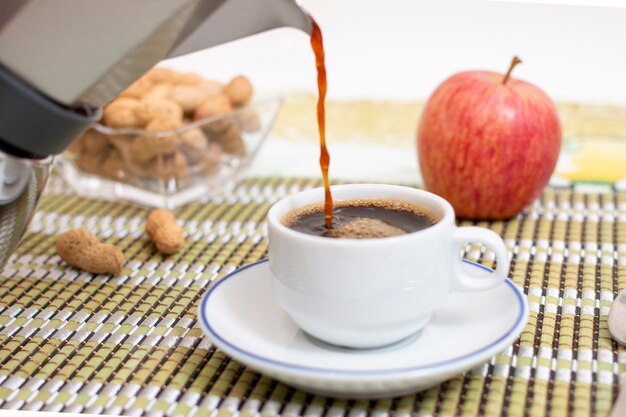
395 122
374 140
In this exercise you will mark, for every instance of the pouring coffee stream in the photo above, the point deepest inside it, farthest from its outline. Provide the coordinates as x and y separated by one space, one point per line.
317 44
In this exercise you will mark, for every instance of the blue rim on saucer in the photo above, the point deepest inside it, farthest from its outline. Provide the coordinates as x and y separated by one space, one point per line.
515 328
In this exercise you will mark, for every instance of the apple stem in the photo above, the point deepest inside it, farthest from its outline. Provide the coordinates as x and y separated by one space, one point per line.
514 62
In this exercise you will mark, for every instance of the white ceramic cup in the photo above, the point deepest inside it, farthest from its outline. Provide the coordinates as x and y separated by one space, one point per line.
373 292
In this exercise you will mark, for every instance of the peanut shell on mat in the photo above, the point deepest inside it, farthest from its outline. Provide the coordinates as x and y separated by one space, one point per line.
162 228
81 249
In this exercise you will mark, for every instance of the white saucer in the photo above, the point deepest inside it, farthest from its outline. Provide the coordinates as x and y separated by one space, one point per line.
240 316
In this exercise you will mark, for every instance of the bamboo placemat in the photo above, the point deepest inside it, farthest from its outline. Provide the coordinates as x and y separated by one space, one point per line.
72 341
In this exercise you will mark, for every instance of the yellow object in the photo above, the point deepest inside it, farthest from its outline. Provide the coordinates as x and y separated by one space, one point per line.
593 159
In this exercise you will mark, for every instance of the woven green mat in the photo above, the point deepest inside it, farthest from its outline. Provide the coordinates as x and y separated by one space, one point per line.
72 341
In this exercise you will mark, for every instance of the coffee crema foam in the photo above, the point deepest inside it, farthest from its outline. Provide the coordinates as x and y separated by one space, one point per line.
361 219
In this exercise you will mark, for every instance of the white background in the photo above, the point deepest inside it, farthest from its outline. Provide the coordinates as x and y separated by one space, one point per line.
402 49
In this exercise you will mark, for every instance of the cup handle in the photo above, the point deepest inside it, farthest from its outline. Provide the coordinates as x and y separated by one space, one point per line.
464 281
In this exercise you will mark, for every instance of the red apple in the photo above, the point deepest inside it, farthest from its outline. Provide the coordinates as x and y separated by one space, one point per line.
488 143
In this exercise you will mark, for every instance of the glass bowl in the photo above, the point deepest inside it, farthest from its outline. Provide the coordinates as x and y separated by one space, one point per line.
168 168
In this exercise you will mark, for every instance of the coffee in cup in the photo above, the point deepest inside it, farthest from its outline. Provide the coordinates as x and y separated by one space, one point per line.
361 219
